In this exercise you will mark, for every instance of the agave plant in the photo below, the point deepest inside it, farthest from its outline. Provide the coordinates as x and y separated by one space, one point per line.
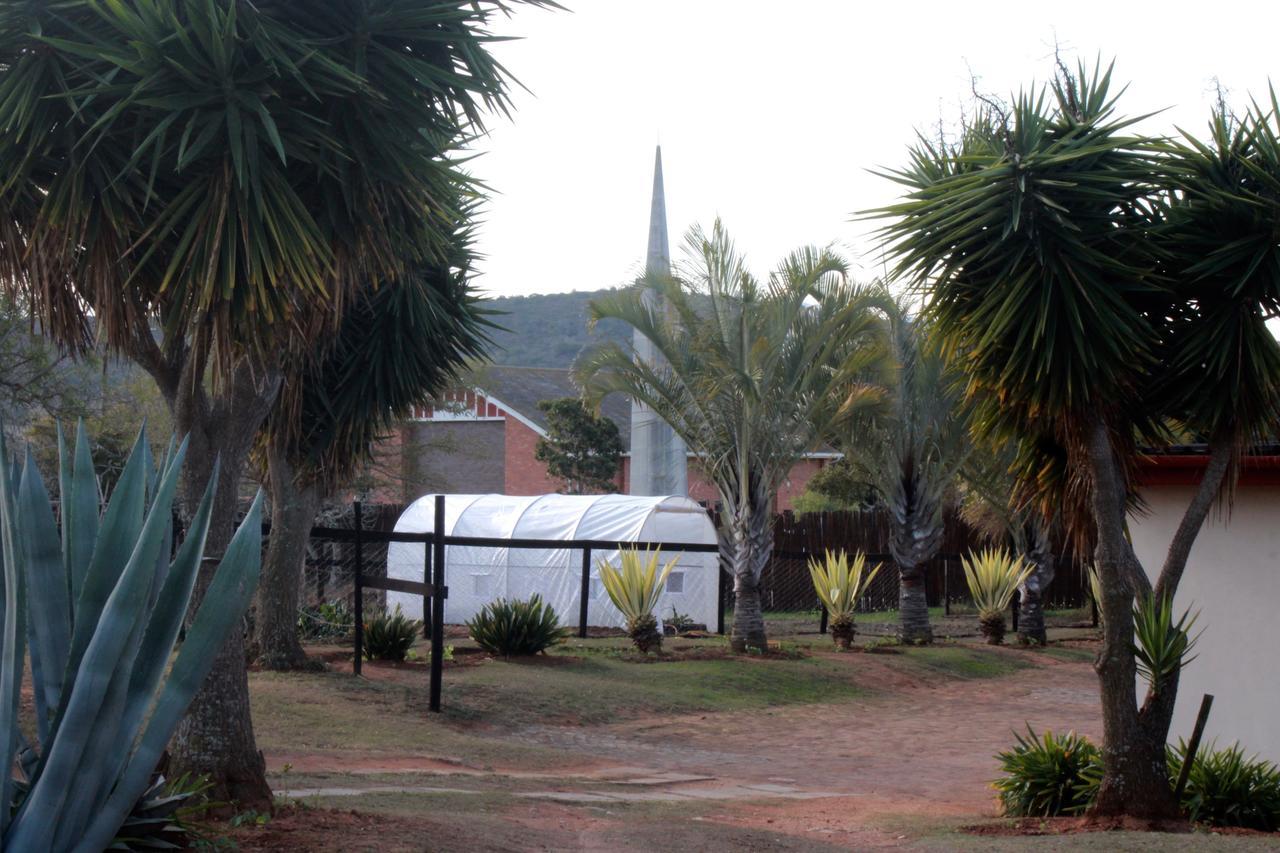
97 603
635 589
513 627
839 583
993 576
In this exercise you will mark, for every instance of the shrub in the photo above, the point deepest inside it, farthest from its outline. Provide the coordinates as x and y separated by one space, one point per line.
512 628
329 621
839 583
389 636
1225 788
1047 776
993 576
635 589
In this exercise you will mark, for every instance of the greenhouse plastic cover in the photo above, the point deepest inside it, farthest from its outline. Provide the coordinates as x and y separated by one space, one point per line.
477 576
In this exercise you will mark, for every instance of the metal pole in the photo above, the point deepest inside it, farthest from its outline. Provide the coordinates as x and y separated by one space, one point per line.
441 592
822 622
584 593
1016 604
1203 717
720 592
359 585
946 587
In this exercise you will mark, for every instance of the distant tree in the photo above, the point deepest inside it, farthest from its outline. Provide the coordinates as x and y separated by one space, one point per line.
582 449
838 486
754 375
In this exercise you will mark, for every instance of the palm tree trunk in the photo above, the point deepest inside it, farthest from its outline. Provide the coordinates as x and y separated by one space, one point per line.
746 544
913 606
216 737
293 510
1135 780
1039 553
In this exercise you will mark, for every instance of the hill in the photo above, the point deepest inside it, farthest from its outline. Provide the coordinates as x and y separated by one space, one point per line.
547 329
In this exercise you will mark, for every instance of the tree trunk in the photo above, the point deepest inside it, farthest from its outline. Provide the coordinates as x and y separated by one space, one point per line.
215 738
1031 604
746 544
1135 781
293 511
913 606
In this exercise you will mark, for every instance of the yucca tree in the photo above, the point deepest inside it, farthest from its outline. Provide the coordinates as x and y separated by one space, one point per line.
756 373
910 453
205 186
401 343
1094 285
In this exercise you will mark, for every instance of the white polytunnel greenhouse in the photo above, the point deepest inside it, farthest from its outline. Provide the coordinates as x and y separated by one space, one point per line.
476 576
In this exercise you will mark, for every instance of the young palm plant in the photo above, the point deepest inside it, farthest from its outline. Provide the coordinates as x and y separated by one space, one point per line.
635 589
753 374
993 576
839 583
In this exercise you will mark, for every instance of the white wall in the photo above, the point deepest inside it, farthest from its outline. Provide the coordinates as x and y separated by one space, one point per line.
1233 579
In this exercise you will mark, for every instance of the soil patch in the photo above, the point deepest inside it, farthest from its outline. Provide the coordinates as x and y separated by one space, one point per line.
1073 825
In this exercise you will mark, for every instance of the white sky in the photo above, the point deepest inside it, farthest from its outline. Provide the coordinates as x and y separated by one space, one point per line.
770 114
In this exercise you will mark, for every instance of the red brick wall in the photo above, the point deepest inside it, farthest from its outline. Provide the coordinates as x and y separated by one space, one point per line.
701 489
525 474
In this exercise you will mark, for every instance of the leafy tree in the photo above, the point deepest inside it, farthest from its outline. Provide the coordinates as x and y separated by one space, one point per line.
910 454
582 449
213 183
838 486
755 374
1096 286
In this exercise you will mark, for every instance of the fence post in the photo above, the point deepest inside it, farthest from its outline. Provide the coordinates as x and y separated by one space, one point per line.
441 592
822 621
720 591
426 596
946 587
584 594
1189 757
359 585
1017 605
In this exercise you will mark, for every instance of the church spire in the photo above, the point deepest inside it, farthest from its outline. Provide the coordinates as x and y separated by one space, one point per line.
658 258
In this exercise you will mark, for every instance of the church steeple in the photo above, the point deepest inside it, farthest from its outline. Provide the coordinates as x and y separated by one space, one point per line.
659 463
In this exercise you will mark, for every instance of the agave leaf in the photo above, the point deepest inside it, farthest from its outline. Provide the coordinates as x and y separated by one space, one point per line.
224 604
81 503
108 651
11 645
48 596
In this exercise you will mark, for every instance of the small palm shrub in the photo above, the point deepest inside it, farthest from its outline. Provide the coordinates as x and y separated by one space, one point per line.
635 589
993 576
1161 645
511 627
389 636
840 582
1226 788
1047 776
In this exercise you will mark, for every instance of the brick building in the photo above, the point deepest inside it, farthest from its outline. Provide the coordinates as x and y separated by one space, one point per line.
482 440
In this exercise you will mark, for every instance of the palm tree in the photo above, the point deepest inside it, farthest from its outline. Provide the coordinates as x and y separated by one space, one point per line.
400 345
753 375
910 454
1095 286
205 187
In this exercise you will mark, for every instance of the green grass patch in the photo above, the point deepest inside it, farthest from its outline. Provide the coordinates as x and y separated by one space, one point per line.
957 661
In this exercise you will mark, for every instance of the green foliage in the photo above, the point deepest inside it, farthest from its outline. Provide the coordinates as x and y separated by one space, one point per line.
332 620
1226 788
635 589
166 815
679 622
582 449
1161 645
1046 776
838 486
840 582
993 576
389 636
512 627
97 604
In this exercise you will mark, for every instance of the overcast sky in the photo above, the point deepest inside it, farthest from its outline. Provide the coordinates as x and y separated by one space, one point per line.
771 114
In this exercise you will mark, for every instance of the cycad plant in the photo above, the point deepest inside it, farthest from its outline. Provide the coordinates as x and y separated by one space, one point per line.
635 589
839 583
993 576
96 602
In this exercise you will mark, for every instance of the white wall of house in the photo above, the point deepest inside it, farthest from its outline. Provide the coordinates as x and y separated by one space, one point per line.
1233 579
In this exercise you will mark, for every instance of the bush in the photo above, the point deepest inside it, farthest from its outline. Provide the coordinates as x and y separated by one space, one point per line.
328 621
389 636
993 576
634 589
1047 776
1227 789
511 628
